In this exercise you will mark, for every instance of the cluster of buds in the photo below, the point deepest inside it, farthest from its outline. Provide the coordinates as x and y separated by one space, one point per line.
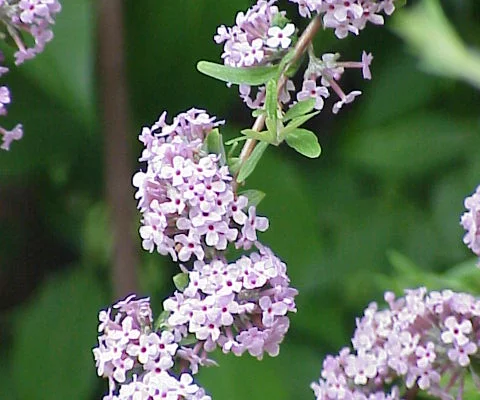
428 341
19 18
263 35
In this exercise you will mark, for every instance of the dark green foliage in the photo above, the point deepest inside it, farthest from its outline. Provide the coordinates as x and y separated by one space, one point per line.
378 211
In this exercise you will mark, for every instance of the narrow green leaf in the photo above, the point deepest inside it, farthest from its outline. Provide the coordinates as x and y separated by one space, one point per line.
254 196
249 166
190 339
263 136
254 76
295 123
236 140
299 109
271 103
181 281
305 142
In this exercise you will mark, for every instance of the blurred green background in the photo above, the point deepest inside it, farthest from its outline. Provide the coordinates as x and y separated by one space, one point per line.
379 210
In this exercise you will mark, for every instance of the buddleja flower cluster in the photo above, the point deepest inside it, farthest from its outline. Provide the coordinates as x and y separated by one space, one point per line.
470 221
192 212
33 18
428 341
264 35
137 359
186 196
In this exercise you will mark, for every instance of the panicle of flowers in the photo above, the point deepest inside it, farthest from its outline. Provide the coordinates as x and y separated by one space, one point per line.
263 35
423 341
186 196
238 307
470 220
138 361
346 16
20 17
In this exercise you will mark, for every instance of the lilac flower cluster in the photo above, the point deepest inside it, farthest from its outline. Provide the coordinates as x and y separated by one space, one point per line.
239 307
263 35
186 196
470 221
423 339
346 16
138 361
35 18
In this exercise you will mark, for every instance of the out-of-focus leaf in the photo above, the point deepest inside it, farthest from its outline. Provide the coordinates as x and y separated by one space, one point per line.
305 142
65 69
249 165
441 50
54 336
414 145
97 240
253 76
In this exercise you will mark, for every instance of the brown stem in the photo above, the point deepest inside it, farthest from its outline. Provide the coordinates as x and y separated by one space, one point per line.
299 50
117 134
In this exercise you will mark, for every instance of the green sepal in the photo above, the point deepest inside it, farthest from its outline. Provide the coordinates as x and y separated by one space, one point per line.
305 142
253 76
299 109
254 196
161 321
181 281
249 165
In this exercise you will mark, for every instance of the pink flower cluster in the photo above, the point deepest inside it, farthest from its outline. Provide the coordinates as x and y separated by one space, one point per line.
260 36
138 361
239 307
186 196
346 16
263 35
34 17
423 339
470 220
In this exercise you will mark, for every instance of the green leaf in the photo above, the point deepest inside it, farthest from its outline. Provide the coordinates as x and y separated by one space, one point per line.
254 196
236 140
254 76
263 136
295 123
190 339
271 103
305 142
54 336
299 109
256 113
181 281
249 166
